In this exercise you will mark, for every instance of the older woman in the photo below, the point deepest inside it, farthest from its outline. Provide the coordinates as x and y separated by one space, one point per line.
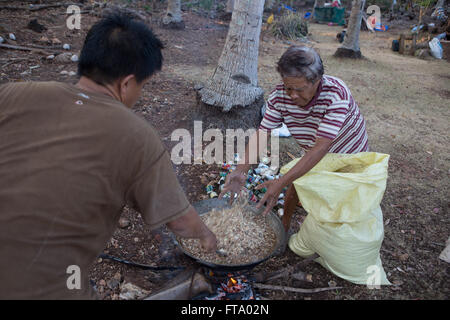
319 112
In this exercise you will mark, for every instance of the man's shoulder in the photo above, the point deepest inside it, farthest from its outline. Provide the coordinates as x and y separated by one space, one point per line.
87 107
24 85
106 110
123 122
334 88
18 95
35 91
10 87
334 82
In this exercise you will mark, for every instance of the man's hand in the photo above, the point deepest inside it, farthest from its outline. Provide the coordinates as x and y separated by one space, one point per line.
191 226
274 188
234 183
209 241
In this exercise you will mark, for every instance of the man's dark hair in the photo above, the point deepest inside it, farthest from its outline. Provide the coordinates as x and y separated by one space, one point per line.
301 61
118 46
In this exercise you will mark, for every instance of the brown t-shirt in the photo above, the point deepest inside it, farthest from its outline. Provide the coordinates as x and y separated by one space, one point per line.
69 161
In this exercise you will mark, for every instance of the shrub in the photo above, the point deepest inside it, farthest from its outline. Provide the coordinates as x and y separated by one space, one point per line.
290 25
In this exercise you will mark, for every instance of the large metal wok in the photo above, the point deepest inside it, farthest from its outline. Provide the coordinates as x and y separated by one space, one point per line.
272 219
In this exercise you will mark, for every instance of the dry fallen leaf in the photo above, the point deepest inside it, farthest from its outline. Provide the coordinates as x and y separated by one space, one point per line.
129 291
124 222
403 257
204 180
399 269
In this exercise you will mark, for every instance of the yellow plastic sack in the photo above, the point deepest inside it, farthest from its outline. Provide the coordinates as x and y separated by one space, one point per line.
344 225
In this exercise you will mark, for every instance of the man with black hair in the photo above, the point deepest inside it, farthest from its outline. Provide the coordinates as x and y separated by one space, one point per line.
71 157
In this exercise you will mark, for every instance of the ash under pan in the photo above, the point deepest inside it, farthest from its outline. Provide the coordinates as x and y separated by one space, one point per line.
272 219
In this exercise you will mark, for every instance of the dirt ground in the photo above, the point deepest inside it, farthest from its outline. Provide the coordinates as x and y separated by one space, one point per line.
405 101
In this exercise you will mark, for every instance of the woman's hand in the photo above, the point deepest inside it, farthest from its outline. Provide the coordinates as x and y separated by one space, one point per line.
274 188
306 163
234 183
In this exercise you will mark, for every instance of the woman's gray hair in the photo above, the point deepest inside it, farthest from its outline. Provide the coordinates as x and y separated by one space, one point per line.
301 61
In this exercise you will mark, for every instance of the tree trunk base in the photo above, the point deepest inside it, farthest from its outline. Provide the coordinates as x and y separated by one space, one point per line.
173 25
169 22
347 53
239 117
230 93
225 16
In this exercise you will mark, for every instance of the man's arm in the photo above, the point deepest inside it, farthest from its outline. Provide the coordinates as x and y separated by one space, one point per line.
190 225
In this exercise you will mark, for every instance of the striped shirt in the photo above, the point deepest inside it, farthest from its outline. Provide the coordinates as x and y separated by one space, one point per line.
332 114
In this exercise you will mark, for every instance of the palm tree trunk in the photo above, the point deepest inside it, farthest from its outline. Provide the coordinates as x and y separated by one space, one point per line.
268 5
230 6
173 18
350 47
234 84
440 4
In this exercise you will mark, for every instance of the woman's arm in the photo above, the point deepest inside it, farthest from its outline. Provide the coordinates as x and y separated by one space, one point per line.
306 163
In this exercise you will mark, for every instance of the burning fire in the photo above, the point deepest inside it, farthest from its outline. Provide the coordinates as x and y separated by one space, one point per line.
235 288
231 282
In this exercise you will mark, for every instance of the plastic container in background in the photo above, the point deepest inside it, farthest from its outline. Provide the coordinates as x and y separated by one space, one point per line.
395 45
436 48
